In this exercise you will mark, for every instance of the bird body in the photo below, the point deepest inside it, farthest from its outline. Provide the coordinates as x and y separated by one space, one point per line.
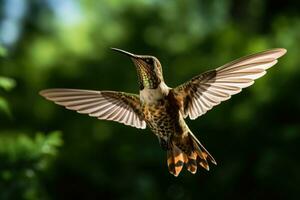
164 109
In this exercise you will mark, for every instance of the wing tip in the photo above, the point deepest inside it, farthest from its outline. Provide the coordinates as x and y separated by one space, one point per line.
279 52
53 91
283 50
43 93
47 91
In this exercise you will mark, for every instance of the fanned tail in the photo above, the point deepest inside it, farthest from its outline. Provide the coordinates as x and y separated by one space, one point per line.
188 151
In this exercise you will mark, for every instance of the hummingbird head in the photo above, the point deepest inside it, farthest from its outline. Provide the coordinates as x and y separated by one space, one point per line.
148 68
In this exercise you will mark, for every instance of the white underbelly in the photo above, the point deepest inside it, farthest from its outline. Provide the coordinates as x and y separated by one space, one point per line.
153 95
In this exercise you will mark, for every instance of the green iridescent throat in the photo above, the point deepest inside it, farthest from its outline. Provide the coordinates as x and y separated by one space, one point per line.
147 77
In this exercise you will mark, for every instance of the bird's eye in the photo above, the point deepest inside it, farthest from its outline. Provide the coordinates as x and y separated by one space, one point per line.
149 61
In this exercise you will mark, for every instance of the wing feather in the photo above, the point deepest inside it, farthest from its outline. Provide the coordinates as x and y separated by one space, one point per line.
109 105
206 90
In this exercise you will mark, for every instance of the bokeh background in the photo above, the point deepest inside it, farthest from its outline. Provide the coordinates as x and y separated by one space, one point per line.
47 152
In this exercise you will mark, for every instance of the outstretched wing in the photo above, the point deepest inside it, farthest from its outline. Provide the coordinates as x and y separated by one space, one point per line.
109 105
206 90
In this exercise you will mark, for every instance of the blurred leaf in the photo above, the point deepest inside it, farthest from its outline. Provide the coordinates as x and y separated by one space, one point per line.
7 83
4 106
22 147
48 144
3 51
23 161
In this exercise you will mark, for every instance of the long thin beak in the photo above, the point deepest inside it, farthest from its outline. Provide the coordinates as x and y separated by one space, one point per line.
125 52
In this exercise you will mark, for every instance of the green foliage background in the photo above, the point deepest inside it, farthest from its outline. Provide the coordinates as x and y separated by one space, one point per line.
254 137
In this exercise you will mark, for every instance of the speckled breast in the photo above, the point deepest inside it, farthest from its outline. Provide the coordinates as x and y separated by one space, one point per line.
162 118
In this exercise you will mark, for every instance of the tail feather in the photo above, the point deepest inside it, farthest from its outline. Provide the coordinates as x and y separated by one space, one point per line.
202 152
191 153
191 164
204 164
176 159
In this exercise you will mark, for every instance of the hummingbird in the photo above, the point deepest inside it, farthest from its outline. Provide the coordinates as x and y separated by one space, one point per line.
164 109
